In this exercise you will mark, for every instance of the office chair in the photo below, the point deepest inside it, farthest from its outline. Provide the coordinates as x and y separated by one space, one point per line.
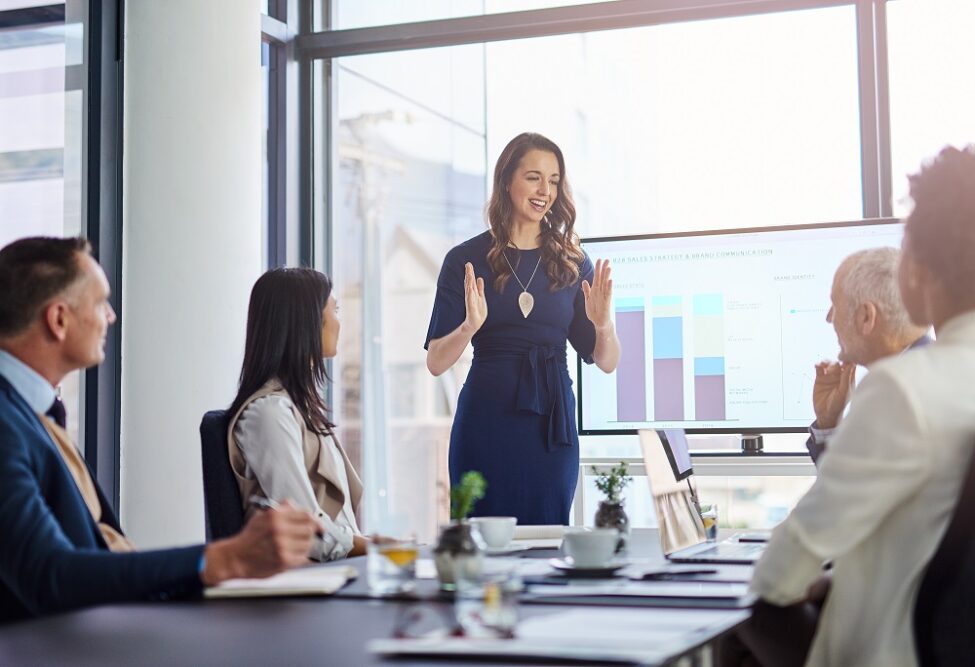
944 614
224 510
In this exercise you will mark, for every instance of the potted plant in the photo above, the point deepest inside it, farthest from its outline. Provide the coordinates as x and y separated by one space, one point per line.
460 546
611 513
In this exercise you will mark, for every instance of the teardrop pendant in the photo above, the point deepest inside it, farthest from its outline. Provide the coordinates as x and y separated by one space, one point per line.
526 302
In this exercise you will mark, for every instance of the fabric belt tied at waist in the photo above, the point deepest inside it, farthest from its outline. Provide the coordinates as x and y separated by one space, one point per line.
541 391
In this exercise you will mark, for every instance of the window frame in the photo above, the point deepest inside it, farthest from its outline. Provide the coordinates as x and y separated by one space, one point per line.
278 30
100 78
327 44
102 190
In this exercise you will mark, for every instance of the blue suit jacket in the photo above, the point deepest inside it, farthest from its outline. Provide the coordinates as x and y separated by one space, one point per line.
52 555
816 449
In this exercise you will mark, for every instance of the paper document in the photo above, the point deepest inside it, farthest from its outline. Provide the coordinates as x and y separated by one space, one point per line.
314 580
704 595
644 637
669 589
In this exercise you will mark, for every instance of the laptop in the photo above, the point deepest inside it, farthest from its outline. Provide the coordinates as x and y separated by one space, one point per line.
667 459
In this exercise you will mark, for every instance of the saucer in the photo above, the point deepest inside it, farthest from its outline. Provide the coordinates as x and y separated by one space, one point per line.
566 566
506 551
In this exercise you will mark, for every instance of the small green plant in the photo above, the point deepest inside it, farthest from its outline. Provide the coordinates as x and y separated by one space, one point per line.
464 495
613 482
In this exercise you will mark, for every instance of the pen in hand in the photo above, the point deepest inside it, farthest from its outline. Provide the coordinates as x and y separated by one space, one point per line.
270 504
262 503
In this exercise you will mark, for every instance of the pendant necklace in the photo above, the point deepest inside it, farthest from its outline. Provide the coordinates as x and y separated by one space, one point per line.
525 300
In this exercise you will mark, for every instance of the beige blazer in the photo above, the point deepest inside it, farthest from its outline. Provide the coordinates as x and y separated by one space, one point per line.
319 463
887 486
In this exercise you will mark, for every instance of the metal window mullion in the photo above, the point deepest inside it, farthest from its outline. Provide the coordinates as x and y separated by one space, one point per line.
301 15
870 170
881 54
277 158
274 31
278 9
102 387
537 23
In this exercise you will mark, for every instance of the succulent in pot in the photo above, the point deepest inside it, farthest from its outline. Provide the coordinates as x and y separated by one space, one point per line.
460 546
611 513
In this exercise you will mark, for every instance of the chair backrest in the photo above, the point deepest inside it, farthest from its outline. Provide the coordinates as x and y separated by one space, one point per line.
944 614
224 510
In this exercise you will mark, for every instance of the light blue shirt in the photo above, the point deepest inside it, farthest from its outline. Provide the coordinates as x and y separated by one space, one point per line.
31 386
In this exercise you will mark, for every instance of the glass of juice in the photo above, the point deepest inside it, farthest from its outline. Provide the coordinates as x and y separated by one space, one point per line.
709 515
391 566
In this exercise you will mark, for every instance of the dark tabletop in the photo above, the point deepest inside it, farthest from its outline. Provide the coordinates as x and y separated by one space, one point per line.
281 631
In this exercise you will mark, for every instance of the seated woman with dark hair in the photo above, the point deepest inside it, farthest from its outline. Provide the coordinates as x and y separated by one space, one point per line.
280 439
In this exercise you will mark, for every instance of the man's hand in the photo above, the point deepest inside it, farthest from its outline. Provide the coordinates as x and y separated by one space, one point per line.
834 382
271 542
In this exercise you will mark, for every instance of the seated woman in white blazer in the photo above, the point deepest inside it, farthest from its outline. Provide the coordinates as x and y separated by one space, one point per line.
280 439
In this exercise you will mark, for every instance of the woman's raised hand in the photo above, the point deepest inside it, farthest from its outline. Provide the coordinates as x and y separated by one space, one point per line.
474 300
599 296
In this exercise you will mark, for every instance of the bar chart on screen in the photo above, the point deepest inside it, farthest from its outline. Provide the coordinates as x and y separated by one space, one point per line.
719 332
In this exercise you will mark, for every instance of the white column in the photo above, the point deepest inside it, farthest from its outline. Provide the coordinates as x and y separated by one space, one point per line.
192 245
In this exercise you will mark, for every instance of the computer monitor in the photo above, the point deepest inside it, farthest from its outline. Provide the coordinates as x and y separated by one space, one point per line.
720 330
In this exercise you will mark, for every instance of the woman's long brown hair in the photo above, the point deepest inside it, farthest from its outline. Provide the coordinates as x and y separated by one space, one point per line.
284 341
560 249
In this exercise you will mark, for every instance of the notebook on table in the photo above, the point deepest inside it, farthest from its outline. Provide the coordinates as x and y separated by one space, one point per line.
312 580
667 458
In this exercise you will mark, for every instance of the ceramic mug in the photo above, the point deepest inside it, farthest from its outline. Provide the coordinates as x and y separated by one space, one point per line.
497 531
590 547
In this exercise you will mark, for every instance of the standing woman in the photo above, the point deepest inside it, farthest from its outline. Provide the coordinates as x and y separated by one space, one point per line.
280 439
515 420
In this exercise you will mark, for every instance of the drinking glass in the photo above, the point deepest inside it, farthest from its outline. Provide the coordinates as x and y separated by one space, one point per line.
709 515
391 566
486 602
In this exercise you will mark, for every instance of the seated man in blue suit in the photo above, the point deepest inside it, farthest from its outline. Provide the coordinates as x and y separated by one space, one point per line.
61 546
871 324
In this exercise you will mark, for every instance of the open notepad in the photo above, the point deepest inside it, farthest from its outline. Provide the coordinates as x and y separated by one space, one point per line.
314 580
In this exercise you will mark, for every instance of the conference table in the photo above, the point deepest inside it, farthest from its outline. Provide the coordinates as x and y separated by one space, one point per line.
333 630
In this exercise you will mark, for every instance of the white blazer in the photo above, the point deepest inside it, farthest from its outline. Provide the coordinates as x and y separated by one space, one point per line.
886 489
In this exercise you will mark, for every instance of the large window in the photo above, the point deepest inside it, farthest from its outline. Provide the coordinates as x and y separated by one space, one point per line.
408 183
697 115
42 98
932 101
714 124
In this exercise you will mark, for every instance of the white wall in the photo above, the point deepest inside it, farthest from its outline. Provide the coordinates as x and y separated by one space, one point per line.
192 244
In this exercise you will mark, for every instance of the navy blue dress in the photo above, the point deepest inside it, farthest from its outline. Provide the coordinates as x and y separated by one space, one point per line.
515 420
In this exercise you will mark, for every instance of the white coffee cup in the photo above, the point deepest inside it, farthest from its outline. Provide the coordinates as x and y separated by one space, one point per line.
590 547
497 531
